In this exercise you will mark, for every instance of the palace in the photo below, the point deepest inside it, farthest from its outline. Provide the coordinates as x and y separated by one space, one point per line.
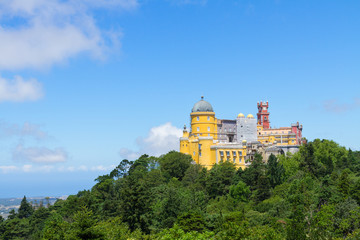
211 140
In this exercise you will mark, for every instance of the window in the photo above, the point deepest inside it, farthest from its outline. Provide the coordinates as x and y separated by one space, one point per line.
208 118
197 118
240 153
208 129
228 153
234 154
221 153
225 130
194 153
198 129
209 134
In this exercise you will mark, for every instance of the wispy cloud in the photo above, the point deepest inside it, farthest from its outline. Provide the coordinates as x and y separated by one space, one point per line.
41 155
7 169
160 140
28 168
25 130
334 106
45 32
18 89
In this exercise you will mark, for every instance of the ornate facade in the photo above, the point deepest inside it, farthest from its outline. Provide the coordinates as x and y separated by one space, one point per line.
211 140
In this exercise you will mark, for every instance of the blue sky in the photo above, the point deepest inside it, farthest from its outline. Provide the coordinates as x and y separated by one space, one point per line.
87 83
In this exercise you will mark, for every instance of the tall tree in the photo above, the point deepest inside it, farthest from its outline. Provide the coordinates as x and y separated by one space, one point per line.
344 183
275 171
25 209
220 178
175 164
263 189
252 174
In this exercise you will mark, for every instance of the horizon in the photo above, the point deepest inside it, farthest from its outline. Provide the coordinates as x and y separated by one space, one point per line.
117 79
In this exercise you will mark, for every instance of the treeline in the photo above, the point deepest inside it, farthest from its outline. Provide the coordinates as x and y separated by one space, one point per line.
313 194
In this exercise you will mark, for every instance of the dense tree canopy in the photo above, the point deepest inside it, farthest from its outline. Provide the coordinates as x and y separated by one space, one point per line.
313 194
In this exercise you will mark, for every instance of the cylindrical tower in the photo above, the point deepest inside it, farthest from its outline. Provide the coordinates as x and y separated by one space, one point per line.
203 121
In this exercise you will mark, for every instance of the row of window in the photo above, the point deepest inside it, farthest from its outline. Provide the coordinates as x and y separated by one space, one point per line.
198 118
227 155
198 129
225 130
277 132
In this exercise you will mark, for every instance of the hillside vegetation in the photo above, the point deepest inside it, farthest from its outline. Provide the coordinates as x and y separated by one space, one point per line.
313 194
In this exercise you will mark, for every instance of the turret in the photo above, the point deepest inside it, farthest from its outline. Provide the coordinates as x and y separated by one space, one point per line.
263 114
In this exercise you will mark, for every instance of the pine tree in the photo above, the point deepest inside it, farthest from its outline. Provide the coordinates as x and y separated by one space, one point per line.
25 209
275 171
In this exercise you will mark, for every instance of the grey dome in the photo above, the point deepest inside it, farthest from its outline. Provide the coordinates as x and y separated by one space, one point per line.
202 106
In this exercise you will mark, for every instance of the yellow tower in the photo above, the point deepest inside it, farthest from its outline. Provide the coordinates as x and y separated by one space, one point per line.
203 121
202 142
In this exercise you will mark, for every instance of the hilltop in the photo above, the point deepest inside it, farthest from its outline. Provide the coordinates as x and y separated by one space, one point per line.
312 194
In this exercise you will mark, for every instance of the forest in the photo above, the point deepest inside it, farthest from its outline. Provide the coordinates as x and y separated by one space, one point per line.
313 194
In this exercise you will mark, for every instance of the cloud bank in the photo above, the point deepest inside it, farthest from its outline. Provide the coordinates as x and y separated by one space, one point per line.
28 168
334 106
18 89
38 33
160 140
26 130
41 155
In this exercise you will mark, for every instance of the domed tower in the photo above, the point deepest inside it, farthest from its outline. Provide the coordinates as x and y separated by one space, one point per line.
202 120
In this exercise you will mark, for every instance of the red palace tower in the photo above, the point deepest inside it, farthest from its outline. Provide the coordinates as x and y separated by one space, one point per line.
263 115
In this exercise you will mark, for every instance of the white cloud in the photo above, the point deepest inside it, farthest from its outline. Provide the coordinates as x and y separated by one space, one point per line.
28 168
18 89
160 140
39 154
27 129
45 32
7 169
334 106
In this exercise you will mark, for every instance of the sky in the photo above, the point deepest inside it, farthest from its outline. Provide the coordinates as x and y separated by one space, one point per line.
87 83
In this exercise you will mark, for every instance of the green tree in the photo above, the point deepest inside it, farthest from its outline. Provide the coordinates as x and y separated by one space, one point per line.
308 162
175 164
275 171
195 177
84 226
344 183
25 209
263 189
220 178
191 221
12 214
322 226
240 191
296 228
55 228
252 174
